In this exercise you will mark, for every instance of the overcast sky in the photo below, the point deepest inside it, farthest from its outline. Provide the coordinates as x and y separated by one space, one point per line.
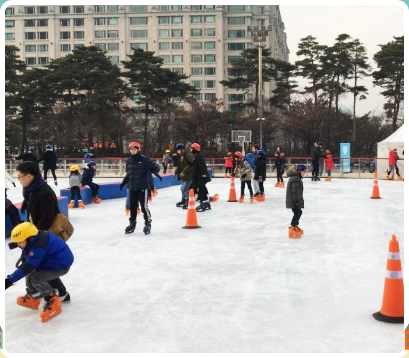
371 24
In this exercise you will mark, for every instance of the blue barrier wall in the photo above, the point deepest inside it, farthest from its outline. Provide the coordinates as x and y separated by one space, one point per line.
62 202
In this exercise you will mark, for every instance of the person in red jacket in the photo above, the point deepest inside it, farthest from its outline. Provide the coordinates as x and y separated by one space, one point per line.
228 164
393 159
328 164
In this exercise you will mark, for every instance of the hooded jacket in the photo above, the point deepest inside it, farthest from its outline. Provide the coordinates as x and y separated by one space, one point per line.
295 189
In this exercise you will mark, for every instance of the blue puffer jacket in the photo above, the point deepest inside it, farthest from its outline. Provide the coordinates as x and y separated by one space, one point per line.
45 252
138 169
87 176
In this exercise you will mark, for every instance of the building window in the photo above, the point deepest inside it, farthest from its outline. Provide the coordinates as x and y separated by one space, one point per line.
9 36
31 48
114 59
236 20
10 11
78 9
100 34
64 9
65 48
260 10
42 10
210 19
78 34
210 71
196 58
42 22
42 48
196 32
208 7
177 45
99 21
43 35
210 84
139 20
43 60
236 46
196 19
165 58
163 7
196 71
210 45
30 61
164 45
29 23
99 8
236 33
176 7
236 97
179 71
195 7
29 10
64 22
138 8
209 32
101 46
141 46
196 83
9 23
112 8
112 21
177 19
65 35
30 36
113 34
210 96
113 47
232 59
210 58
196 45
177 59
163 33
139 33
237 8
177 33
78 22
163 20
232 73
197 97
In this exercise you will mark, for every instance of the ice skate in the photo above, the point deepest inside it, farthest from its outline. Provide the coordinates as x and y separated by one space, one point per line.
147 228
277 184
71 204
282 184
65 298
81 204
55 182
29 301
131 227
127 209
251 198
399 178
154 192
241 199
181 203
261 197
293 233
301 231
96 200
387 178
203 206
52 308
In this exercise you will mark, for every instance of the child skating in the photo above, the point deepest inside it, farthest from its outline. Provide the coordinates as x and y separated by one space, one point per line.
294 198
75 183
228 164
243 171
329 165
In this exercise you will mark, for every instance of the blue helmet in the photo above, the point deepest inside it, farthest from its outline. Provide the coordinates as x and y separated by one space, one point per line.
180 146
260 152
300 167
48 146
91 163
31 149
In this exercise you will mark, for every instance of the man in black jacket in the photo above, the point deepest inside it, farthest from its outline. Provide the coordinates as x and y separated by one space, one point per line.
200 178
316 154
50 162
138 169
29 156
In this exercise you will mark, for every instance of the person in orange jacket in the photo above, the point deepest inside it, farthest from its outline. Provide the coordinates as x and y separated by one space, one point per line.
393 159
329 165
228 164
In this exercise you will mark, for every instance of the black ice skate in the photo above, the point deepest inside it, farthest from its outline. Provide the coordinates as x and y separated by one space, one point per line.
147 228
131 227
203 206
182 203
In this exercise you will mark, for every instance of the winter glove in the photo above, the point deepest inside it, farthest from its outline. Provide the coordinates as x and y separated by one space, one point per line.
14 184
260 178
243 176
8 283
121 186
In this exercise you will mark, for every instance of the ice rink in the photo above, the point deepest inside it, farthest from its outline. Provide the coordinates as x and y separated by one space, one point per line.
236 285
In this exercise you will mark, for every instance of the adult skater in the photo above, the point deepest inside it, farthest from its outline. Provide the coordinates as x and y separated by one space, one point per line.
393 159
184 171
29 156
138 167
200 178
50 162
316 154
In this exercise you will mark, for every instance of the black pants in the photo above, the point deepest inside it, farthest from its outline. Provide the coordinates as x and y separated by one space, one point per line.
396 169
201 192
140 196
261 186
165 167
315 168
43 282
94 189
296 217
75 190
228 170
52 172
243 185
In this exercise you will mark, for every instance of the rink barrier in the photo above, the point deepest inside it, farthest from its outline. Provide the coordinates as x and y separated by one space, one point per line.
111 190
62 202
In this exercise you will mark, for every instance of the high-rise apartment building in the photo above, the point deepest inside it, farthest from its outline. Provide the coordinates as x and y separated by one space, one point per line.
199 40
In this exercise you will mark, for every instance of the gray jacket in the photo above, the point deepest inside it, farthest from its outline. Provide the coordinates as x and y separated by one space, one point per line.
295 188
75 180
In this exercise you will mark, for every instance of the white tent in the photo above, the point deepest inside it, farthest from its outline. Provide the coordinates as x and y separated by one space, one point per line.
395 140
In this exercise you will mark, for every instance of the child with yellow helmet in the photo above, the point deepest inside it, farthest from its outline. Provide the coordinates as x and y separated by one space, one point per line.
166 160
75 183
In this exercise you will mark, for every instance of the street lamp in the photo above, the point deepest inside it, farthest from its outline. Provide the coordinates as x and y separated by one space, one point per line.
259 34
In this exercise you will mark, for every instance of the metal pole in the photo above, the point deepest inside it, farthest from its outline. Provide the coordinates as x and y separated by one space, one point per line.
260 82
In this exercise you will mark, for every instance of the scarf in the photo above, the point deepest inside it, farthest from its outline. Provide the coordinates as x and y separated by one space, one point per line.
36 184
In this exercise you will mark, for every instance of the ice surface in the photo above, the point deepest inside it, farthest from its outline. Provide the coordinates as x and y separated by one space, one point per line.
238 284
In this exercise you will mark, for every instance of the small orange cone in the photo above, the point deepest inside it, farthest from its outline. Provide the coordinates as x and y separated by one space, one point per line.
375 191
392 310
215 197
191 220
232 195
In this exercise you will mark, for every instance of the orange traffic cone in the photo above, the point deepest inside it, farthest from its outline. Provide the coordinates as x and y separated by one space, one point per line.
215 197
191 220
392 310
375 191
232 195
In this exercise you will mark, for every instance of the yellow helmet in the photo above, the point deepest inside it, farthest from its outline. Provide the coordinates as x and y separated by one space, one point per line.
167 151
23 231
74 168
